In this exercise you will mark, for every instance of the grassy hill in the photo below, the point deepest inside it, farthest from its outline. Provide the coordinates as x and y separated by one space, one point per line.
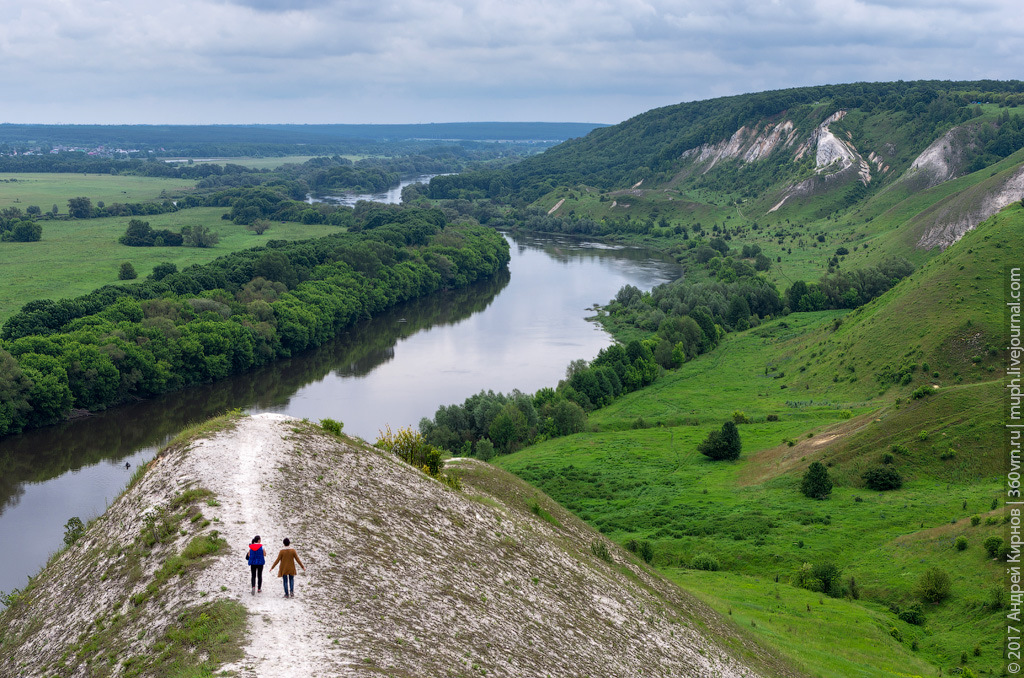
834 387
403 575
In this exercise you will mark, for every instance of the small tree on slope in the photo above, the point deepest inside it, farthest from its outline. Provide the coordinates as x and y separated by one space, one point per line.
722 444
816 483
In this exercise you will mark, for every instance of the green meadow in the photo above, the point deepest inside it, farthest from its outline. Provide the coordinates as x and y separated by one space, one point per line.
911 381
77 256
45 190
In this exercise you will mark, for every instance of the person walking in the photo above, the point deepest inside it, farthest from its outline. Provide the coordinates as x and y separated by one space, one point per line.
256 558
287 557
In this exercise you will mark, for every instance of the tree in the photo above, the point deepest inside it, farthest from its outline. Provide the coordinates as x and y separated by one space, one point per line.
722 444
200 236
816 483
259 226
934 586
79 208
162 270
138 234
127 272
27 231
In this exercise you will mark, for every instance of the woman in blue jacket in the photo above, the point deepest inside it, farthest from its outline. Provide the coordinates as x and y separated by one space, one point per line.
256 558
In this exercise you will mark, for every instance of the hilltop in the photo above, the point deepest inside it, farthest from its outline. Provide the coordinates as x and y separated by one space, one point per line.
405 576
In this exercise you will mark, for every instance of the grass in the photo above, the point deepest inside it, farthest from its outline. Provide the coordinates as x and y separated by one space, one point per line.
45 190
75 257
636 473
854 641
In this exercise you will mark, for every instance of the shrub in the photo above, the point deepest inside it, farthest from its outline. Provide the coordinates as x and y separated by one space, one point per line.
961 543
900 449
722 444
641 548
816 483
934 586
705 561
913 614
772 417
922 392
600 549
975 521
331 426
73 529
827 573
883 478
992 546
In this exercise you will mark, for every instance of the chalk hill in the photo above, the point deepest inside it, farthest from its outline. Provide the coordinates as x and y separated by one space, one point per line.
405 576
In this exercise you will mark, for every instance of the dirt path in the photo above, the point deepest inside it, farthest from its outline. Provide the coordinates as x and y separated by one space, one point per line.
285 637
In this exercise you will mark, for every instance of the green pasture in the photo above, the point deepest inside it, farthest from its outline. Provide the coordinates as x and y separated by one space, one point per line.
46 190
809 387
77 256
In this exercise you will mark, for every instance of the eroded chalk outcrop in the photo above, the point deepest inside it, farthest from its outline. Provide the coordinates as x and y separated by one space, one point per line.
404 574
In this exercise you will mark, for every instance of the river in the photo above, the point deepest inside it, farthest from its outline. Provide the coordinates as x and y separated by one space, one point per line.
391 196
517 331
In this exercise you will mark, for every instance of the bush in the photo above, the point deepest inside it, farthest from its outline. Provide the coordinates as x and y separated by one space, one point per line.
600 549
127 272
913 614
883 478
922 392
961 543
641 548
73 529
934 586
975 521
993 545
722 444
27 231
828 574
816 483
331 426
705 561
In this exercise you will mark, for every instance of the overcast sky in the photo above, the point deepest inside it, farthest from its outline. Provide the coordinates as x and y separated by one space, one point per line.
391 61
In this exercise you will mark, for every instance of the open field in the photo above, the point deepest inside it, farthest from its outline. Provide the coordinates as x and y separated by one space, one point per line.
45 190
78 256
259 163
651 483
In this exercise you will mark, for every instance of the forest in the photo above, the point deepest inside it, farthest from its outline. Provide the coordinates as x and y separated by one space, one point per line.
241 311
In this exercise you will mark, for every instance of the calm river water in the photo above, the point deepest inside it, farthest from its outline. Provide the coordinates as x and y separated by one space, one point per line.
518 331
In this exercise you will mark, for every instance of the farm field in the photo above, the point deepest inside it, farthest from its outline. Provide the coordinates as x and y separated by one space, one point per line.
260 163
77 256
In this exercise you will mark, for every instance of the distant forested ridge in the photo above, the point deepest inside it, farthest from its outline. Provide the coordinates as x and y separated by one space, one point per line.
236 313
650 146
277 140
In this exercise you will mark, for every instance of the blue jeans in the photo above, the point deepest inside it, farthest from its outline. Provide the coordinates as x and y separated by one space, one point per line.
289 583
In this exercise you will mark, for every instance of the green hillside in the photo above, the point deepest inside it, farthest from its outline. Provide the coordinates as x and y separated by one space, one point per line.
836 387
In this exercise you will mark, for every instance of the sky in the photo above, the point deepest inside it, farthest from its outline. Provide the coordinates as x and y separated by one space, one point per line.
418 61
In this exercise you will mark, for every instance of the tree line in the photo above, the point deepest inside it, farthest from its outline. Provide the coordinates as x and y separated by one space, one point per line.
239 312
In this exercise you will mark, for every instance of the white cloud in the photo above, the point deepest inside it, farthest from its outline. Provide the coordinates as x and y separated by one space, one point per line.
363 61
